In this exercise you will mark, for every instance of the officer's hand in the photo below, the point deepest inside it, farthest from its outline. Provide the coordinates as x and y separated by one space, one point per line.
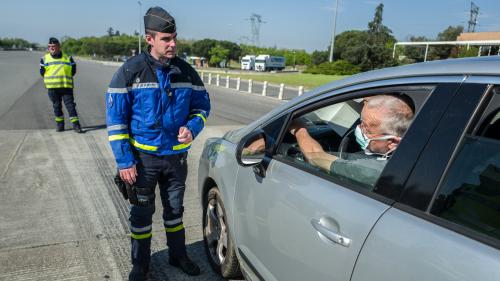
185 135
129 175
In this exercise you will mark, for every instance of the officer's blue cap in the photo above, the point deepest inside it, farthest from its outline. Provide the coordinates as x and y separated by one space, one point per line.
157 19
53 40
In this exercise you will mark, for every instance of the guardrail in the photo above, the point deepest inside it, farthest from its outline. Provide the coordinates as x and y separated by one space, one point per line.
265 89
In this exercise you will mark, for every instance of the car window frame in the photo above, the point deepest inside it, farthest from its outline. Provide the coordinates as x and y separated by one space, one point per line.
349 93
483 98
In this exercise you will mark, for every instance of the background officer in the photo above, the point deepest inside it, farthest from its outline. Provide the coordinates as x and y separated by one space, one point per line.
156 105
57 70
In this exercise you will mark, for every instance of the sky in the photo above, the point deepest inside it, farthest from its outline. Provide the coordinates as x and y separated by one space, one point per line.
291 24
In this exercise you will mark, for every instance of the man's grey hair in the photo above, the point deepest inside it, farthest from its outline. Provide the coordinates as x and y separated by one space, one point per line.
397 114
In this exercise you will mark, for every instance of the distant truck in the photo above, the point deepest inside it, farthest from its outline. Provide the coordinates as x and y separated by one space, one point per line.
268 63
248 62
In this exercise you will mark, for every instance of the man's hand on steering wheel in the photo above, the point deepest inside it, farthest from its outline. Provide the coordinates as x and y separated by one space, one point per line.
299 123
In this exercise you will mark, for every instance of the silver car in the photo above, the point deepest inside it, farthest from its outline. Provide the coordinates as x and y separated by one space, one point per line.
432 212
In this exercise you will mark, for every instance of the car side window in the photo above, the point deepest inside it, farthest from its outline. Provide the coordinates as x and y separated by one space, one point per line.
470 191
351 141
272 131
257 146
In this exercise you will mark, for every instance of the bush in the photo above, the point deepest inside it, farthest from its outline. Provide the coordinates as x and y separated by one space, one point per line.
339 67
472 52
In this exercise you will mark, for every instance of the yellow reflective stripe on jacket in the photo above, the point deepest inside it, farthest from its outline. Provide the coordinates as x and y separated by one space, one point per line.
118 137
143 146
174 229
201 116
181 146
141 236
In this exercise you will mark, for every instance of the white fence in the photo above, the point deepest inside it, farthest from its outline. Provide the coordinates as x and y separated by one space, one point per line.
265 89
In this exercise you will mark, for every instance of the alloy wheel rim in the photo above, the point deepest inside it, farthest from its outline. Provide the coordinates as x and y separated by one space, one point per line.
216 231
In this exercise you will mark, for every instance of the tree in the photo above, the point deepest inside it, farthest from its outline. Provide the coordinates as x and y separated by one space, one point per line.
218 54
184 47
202 48
234 49
368 49
351 45
415 53
15 43
319 57
378 32
378 53
111 32
449 34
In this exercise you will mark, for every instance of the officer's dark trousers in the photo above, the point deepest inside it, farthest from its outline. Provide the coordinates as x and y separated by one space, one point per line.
170 173
57 96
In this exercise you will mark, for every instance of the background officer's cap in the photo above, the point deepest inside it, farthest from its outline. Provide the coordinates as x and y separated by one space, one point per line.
157 19
53 40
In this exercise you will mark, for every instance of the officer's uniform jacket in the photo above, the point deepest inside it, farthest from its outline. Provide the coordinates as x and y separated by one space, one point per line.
146 104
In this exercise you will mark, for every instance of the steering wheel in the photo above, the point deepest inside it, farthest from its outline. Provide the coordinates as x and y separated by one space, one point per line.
291 150
344 143
295 152
346 139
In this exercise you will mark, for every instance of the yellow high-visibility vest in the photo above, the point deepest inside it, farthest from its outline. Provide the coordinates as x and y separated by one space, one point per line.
57 72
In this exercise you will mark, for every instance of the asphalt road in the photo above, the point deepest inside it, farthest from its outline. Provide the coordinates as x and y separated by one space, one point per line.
61 217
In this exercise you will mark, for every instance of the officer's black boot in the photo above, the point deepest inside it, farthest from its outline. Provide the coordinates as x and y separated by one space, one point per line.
138 273
60 127
77 127
184 263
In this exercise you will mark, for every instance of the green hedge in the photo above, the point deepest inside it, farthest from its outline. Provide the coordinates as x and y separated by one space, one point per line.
339 67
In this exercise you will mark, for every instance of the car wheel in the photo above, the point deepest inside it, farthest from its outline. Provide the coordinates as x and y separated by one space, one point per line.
219 245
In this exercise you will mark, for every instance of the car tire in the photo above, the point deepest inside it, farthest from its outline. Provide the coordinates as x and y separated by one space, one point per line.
219 245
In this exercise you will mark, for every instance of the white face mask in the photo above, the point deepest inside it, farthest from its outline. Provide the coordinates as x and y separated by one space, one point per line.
364 141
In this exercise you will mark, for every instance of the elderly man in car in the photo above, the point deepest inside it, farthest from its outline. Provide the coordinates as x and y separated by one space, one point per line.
384 120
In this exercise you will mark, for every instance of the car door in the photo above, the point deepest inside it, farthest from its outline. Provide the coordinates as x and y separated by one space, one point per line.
446 225
297 223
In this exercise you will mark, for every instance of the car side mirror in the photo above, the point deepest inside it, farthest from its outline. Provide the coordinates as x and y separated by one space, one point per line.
251 149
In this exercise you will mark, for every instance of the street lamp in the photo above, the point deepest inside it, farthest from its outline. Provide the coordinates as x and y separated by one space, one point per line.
334 27
294 60
140 24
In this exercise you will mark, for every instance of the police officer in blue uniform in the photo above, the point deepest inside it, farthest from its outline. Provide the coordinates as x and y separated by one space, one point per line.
156 105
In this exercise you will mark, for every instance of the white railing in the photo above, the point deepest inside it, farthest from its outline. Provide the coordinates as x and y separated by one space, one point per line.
265 89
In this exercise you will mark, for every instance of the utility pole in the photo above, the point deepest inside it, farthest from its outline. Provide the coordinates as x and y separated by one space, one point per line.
140 25
293 59
334 27
474 11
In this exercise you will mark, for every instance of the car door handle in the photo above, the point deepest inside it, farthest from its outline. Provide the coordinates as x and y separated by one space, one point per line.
331 235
